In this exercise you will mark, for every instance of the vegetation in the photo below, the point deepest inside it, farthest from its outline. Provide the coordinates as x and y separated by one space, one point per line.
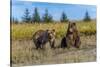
36 16
47 17
14 20
63 17
87 17
24 53
26 18
25 31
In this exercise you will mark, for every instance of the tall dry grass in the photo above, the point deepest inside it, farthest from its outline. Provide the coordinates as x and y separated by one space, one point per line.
24 52
25 31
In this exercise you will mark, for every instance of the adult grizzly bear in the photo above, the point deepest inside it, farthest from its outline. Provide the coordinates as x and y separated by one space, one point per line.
41 37
72 37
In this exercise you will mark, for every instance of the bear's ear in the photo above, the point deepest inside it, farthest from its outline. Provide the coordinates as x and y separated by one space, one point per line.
74 23
47 30
53 30
69 22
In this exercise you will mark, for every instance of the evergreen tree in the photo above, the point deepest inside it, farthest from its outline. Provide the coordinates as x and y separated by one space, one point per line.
63 17
26 18
13 20
36 16
87 17
16 21
47 17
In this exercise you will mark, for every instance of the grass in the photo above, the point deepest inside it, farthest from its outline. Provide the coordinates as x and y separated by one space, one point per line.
25 31
24 52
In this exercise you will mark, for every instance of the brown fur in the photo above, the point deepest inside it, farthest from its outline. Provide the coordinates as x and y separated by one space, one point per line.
41 37
72 36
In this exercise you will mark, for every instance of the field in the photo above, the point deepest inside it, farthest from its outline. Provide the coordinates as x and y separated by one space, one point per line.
24 52
25 31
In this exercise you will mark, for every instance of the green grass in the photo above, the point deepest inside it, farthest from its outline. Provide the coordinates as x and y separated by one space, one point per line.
25 31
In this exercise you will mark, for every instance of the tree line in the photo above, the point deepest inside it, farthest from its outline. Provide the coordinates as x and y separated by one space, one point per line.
35 18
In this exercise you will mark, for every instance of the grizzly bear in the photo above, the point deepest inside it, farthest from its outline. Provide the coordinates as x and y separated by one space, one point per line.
72 37
41 37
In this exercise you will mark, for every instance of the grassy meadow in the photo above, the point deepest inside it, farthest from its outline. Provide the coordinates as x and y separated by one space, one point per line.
24 52
25 31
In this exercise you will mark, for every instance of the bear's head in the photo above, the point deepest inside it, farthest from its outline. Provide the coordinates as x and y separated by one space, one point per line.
51 34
